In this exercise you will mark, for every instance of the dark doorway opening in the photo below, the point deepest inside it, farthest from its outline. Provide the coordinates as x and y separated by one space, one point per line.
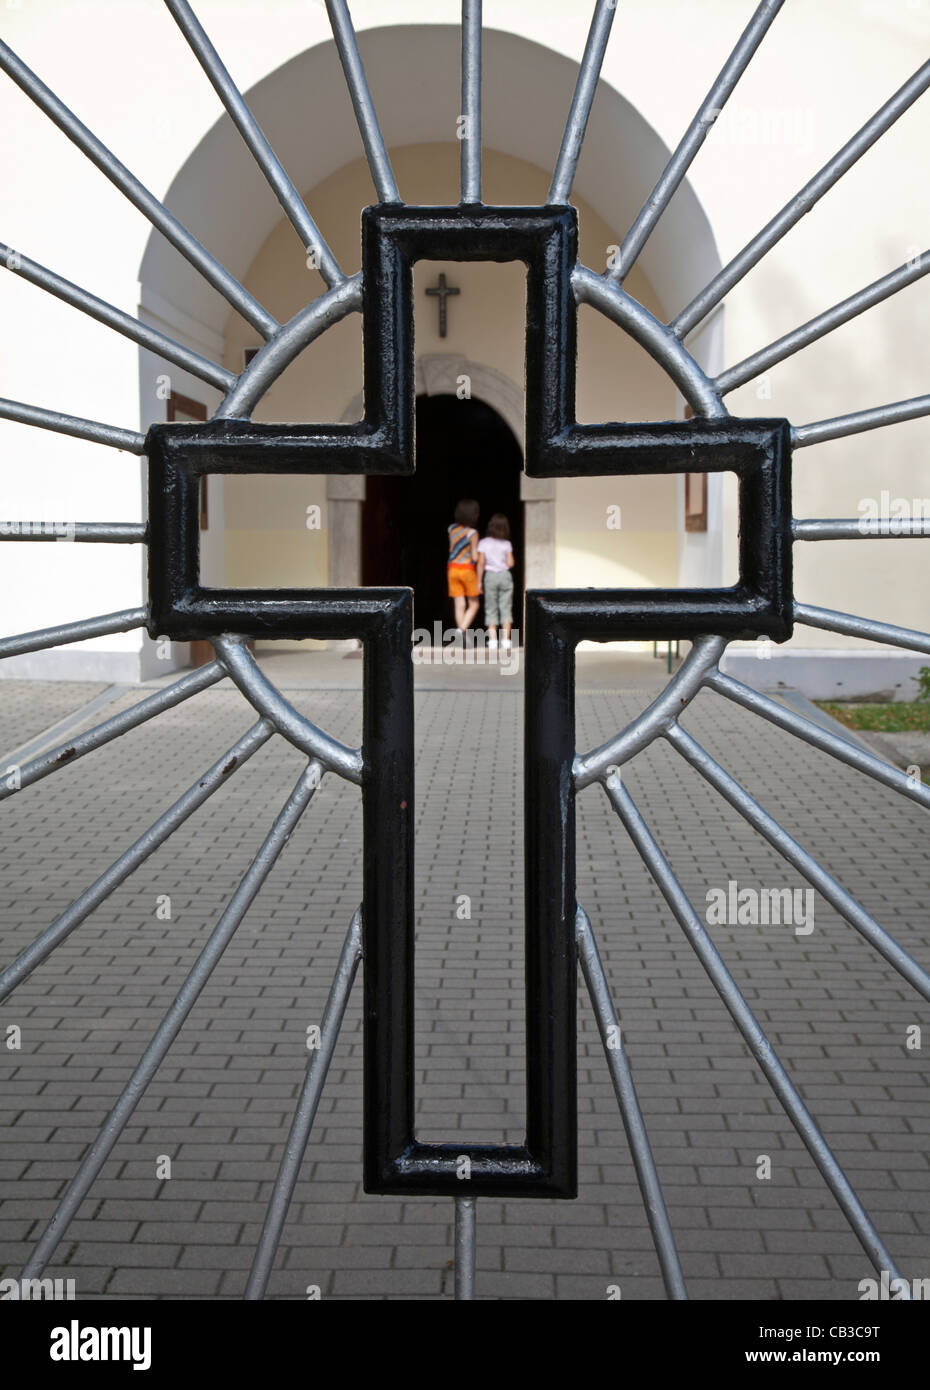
464 449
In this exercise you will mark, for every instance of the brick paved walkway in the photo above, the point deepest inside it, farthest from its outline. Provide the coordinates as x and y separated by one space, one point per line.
221 1105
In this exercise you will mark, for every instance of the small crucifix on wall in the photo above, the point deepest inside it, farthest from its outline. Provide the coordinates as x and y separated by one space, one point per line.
443 291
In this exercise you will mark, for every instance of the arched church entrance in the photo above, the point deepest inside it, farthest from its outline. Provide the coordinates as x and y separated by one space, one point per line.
252 540
464 449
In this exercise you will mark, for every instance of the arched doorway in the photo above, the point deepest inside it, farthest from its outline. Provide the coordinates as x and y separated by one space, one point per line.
207 195
464 449
223 200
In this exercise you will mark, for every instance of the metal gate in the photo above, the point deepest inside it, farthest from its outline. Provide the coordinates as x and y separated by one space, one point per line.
761 604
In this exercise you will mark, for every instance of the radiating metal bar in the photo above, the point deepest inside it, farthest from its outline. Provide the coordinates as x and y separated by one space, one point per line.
174 1020
242 118
466 1247
98 154
582 100
267 699
375 149
306 325
852 626
67 753
123 621
114 318
693 139
655 718
93 430
810 194
131 858
302 1124
823 323
769 828
661 344
860 529
853 754
842 425
752 1032
101 532
471 101
633 1123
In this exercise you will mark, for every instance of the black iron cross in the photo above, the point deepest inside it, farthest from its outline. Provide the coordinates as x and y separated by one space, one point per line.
394 238
443 290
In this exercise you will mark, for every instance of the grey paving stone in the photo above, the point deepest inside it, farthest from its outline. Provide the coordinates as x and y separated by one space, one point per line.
222 1103
174 1283
384 1283
131 1255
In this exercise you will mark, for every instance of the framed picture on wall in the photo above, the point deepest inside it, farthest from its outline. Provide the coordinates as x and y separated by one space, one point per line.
695 501
183 410
695 494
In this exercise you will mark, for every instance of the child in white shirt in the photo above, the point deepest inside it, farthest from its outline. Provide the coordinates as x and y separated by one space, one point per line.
495 561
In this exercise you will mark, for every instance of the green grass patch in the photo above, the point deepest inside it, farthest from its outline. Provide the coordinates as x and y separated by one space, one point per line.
906 717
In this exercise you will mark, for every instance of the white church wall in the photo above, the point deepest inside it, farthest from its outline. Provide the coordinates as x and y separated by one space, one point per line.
778 134
127 73
51 478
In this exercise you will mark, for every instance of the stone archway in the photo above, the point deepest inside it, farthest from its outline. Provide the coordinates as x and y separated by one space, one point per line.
234 217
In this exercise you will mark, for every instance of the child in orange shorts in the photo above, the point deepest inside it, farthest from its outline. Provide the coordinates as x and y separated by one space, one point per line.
461 569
